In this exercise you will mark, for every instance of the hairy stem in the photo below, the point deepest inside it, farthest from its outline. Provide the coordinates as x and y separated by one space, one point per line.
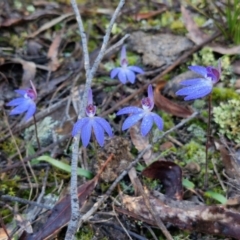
36 132
208 140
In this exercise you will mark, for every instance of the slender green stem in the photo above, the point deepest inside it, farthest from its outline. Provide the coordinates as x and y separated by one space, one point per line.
208 140
36 132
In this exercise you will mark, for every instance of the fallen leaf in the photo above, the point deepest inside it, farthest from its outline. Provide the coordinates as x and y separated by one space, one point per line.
236 67
140 142
229 159
150 14
53 53
50 24
194 32
29 71
8 22
170 175
168 106
225 50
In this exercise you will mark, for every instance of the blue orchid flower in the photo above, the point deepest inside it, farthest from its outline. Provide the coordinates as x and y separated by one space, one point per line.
144 113
200 87
86 124
125 73
26 103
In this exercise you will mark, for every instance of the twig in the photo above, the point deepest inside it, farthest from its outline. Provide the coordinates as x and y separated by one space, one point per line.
117 44
72 226
21 200
175 127
145 194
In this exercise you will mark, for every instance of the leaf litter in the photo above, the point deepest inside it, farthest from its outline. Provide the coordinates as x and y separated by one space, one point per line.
48 52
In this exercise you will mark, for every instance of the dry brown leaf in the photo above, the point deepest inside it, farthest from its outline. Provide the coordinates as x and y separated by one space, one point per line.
168 106
53 53
50 24
3 235
140 142
17 20
225 50
29 71
150 14
170 175
236 67
194 33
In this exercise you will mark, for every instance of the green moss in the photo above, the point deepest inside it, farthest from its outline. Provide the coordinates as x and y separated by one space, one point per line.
192 151
198 132
85 233
8 146
9 186
224 94
227 117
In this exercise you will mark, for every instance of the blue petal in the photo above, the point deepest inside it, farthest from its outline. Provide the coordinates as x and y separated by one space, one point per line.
31 111
191 81
203 88
16 101
106 126
122 76
158 121
78 125
130 121
99 132
114 72
128 110
20 108
21 91
86 132
146 125
199 69
150 93
136 69
201 93
130 76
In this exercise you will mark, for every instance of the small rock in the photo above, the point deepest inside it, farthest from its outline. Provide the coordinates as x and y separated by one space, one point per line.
159 49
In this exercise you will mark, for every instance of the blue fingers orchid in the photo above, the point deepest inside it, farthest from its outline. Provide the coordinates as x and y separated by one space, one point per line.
86 124
200 87
144 113
125 73
26 103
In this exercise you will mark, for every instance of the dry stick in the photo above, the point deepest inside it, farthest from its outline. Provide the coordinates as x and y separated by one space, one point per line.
154 214
72 226
95 207
167 70
21 200
117 44
208 140
36 132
